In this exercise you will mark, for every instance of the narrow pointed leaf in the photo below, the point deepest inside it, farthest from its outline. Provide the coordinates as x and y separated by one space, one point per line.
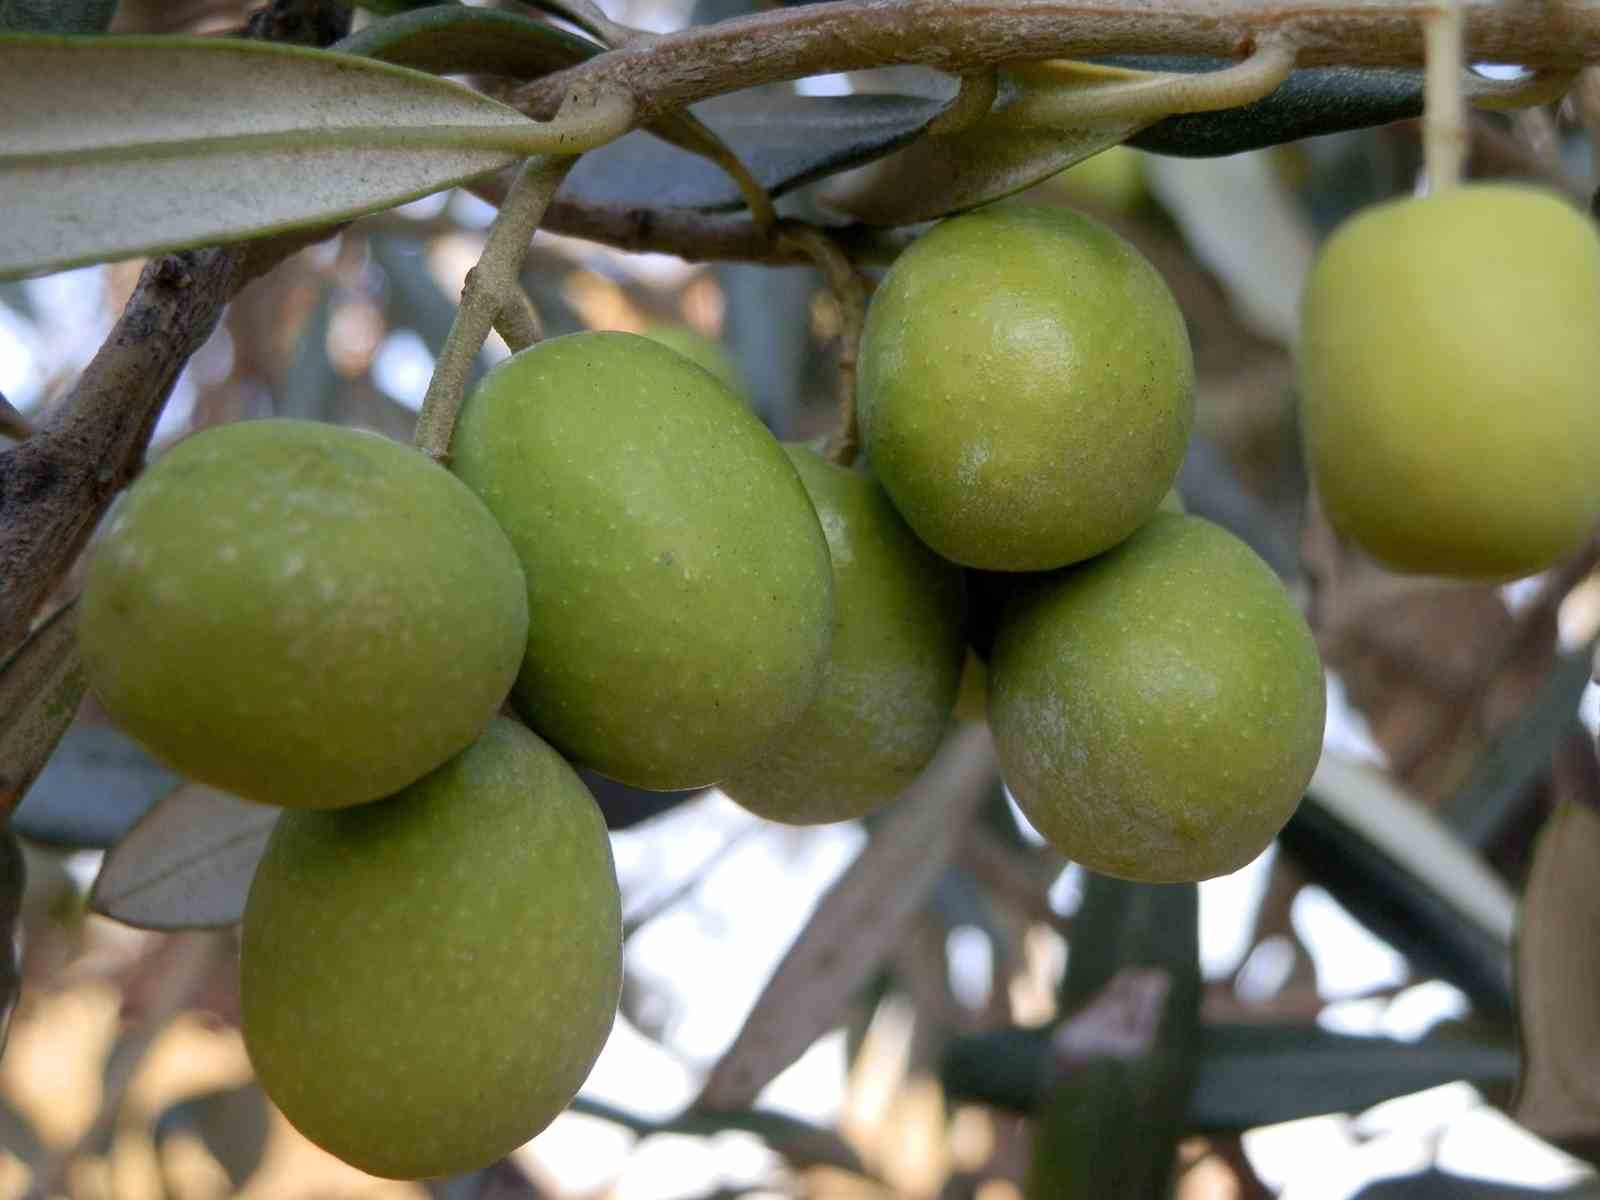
121 146
450 39
1558 979
232 1123
858 921
97 784
40 687
12 423
187 864
1248 1075
1404 875
786 141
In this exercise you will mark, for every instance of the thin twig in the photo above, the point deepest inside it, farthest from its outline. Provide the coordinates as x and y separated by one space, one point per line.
850 294
963 35
1146 100
1444 121
518 321
489 285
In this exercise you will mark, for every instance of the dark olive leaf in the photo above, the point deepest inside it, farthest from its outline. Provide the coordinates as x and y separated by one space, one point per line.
56 16
1558 978
232 1123
96 785
786 141
187 864
1312 101
1125 1053
503 1180
1405 876
311 386
1434 1184
12 423
449 39
1248 1075
13 886
1521 754
624 806
40 687
1211 489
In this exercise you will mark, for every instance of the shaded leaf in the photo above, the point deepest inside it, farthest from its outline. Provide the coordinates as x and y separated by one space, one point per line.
56 16
1520 754
95 786
945 173
1240 220
232 1123
1124 1057
1311 102
786 141
1558 979
449 39
187 864
858 921
121 146
1404 875
12 423
13 888
502 1181
40 687
1248 1075
311 386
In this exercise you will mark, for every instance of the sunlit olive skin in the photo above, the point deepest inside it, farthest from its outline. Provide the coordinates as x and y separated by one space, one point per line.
1449 373
704 351
426 982
1026 388
302 614
1158 711
679 588
889 686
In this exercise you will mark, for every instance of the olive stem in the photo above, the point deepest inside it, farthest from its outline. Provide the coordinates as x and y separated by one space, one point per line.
1073 101
488 291
1444 121
518 321
849 292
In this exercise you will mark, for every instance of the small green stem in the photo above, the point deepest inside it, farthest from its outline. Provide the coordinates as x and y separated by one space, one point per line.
518 321
850 294
1076 102
488 287
1444 119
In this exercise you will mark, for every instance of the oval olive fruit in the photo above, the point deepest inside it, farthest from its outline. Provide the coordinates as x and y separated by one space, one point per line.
425 982
1158 710
302 614
679 591
889 686
1026 388
1450 379
704 352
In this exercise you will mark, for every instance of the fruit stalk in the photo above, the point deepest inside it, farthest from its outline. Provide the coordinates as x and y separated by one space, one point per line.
849 292
1444 126
489 290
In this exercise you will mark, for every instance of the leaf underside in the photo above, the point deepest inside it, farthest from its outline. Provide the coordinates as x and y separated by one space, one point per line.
136 145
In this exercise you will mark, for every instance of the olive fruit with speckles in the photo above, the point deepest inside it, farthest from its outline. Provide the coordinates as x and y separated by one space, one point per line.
1449 366
889 686
426 982
680 595
1026 388
1158 710
302 614
703 351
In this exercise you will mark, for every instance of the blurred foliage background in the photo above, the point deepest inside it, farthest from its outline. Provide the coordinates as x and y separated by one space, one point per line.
1395 1001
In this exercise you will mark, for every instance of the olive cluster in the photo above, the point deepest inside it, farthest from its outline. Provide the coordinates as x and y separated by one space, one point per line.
317 618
